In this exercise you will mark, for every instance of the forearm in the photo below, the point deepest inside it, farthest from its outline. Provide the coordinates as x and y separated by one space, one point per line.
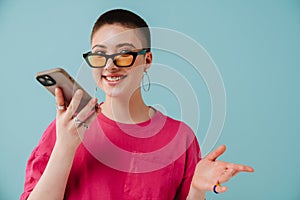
196 194
53 181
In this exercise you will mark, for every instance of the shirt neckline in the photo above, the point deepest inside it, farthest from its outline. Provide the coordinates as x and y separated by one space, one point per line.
157 116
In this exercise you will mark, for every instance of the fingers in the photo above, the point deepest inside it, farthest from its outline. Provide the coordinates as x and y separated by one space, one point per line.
239 167
215 172
220 189
59 98
227 175
74 104
88 111
83 116
87 114
230 171
216 153
90 118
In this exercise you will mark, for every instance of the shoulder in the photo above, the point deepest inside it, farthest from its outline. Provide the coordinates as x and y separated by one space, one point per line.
182 134
178 126
185 142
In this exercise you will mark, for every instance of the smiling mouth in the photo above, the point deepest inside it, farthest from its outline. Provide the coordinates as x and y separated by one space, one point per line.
114 78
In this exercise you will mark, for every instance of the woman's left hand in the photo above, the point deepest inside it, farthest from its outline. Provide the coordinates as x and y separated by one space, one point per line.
211 173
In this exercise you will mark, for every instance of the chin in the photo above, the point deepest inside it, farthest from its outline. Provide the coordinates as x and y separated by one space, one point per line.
123 91
114 92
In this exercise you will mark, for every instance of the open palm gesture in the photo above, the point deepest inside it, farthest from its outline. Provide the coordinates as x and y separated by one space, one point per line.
210 173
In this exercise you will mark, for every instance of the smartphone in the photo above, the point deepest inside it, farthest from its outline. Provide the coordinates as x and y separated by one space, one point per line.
58 77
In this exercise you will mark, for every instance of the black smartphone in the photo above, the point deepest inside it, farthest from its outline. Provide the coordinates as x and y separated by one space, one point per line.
58 77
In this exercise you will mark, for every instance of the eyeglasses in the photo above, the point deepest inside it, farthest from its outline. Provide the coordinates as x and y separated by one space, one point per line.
126 59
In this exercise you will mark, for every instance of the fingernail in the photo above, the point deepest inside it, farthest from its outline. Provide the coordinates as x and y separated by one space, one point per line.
78 93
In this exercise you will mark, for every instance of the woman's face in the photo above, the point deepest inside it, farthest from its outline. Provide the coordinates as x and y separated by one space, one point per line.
115 81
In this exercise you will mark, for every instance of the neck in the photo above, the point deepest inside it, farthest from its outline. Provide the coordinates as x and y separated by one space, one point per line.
129 110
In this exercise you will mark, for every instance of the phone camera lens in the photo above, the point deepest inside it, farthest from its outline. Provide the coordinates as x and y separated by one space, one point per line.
46 80
41 79
50 82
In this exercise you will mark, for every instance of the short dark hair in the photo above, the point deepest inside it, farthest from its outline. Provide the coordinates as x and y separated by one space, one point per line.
127 19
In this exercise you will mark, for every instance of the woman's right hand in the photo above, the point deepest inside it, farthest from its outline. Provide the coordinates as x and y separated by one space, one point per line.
52 183
68 133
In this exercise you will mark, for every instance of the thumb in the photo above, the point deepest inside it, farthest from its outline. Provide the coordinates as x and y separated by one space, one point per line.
216 153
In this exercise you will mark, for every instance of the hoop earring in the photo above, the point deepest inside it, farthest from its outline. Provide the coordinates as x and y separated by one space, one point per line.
146 89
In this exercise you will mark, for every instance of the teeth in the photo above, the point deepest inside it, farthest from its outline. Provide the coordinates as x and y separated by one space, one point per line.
113 78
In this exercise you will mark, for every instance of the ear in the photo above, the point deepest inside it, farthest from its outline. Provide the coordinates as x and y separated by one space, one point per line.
148 58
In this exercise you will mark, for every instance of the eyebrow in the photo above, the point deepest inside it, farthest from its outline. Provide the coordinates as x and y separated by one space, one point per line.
99 45
118 45
125 44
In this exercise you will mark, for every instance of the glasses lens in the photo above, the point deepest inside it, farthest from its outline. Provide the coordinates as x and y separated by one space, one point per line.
124 60
97 60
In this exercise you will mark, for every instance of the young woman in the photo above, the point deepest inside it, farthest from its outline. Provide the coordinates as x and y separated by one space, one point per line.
62 166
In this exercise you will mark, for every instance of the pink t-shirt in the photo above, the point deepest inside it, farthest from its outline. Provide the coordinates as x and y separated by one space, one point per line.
155 159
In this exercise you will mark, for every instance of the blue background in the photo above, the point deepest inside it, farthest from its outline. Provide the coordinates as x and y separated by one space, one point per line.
255 45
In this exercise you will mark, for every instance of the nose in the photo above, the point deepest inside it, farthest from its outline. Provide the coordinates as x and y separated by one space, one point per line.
110 65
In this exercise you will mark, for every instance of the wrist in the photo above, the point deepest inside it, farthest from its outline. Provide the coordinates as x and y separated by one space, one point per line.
195 194
64 150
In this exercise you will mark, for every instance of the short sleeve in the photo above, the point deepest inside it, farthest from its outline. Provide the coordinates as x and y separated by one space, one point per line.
193 156
38 160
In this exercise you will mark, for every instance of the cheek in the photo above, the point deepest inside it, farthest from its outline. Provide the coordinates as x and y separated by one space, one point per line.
137 70
136 74
97 75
